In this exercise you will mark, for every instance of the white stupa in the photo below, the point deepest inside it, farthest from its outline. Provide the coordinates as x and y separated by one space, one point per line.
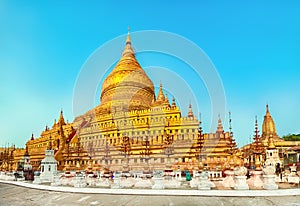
48 166
272 154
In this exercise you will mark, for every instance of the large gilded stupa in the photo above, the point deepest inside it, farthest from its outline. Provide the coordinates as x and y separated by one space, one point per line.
127 87
133 127
132 124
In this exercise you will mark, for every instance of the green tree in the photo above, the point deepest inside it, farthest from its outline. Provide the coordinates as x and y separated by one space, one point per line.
291 137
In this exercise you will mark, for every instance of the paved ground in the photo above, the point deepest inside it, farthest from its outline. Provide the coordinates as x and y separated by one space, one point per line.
11 195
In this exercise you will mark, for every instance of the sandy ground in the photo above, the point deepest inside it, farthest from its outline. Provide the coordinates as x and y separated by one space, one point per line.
15 195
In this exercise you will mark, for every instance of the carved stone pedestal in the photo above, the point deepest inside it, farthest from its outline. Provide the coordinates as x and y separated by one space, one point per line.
117 179
293 176
56 181
256 179
78 182
158 180
269 182
37 180
204 182
104 182
143 183
241 183
229 179
158 183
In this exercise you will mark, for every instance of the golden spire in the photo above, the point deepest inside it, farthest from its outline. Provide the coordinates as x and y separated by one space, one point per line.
268 127
267 110
173 102
26 152
128 40
127 87
61 120
190 114
128 51
160 96
220 126
32 137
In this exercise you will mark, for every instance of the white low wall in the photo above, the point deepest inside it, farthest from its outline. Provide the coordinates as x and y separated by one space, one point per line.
221 193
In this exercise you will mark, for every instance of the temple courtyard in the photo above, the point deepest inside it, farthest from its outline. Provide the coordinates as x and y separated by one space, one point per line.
17 195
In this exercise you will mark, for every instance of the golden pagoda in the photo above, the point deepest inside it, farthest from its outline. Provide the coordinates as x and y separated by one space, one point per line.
268 140
61 137
269 128
154 132
132 128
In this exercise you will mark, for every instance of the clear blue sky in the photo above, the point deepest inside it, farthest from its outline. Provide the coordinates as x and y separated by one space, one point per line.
253 44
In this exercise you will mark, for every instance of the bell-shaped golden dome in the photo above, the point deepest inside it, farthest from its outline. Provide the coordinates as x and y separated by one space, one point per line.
127 87
268 127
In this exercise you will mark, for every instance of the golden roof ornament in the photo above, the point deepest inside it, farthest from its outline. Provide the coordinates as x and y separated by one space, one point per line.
50 144
268 127
32 137
61 120
190 113
271 143
220 128
160 95
173 102
127 86
26 151
128 51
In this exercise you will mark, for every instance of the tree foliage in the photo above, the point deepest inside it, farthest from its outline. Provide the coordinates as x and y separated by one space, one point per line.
291 137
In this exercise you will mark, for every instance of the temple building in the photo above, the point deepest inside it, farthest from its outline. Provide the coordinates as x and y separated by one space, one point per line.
64 141
133 129
134 126
266 144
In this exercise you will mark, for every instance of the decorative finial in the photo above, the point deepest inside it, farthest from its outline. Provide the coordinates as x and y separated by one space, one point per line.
256 138
190 114
256 123
271 142
230 126
26 151
50 143
267 108
128 50
160 96
61 120
173 102
220 126
128 40
167 99
200 122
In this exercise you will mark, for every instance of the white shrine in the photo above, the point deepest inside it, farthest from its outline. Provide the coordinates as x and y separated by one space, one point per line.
48 166
272 154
